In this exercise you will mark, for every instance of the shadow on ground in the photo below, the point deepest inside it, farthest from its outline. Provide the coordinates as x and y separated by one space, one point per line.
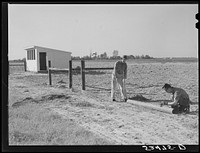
98 88
95 72
193 112
139 98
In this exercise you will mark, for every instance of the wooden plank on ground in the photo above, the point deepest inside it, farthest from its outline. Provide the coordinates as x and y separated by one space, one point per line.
151 106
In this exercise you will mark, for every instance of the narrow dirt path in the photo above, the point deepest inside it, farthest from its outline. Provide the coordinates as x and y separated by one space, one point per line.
125 123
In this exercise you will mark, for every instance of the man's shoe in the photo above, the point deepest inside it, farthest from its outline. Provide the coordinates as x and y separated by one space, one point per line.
124 100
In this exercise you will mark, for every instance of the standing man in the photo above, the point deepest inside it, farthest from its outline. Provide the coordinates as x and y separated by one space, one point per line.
118 78
181 101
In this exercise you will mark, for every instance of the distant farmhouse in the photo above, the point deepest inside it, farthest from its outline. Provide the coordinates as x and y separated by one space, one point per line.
37 58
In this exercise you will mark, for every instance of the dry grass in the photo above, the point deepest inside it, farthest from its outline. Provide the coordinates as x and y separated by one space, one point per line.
32 124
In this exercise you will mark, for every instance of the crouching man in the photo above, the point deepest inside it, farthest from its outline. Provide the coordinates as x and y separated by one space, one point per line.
181 101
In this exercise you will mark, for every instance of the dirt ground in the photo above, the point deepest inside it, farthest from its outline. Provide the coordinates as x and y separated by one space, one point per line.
118 122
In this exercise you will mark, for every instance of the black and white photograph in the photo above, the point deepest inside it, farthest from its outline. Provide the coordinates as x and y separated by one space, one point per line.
103 75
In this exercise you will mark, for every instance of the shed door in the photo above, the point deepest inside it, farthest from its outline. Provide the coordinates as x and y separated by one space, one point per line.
43 65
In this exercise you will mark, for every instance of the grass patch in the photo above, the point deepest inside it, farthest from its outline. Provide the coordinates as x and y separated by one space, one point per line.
23 102
54 96
32 124
45 98
82 104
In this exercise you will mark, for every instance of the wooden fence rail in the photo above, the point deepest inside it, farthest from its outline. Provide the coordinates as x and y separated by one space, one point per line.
17 64
99 68
50 69
57 69
83 69
70 70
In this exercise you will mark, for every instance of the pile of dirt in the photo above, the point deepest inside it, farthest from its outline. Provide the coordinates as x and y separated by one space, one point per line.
139 98
24 101
55 96
61 81
40 100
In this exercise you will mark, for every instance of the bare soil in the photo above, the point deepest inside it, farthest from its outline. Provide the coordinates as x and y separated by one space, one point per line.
117 122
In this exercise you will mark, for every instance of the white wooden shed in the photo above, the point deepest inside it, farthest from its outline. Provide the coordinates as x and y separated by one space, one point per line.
37 58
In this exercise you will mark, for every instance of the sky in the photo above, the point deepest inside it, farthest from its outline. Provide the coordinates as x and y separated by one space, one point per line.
157 30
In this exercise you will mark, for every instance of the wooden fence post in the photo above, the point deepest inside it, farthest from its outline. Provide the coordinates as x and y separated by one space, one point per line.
83 74
25 65
70 74
49 71
8 68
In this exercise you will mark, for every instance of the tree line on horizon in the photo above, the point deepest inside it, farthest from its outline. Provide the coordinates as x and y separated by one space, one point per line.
104 56
112 57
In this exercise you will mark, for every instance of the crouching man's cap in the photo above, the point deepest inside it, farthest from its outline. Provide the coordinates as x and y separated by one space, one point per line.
166 86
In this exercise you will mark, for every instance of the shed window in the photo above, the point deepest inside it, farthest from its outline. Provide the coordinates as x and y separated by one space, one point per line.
34 54
31 54
28 54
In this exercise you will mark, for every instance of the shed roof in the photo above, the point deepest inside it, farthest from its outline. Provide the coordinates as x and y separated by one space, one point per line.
34 47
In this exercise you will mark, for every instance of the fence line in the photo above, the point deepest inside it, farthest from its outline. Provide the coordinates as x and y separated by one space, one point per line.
57 69
50 69
83 69
17 64
70 74
99 68
83 74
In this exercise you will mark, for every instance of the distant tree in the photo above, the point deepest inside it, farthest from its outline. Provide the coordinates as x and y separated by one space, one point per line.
115 57
86 57
131 57
147 57
76 58
103 56
142 57
137 57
